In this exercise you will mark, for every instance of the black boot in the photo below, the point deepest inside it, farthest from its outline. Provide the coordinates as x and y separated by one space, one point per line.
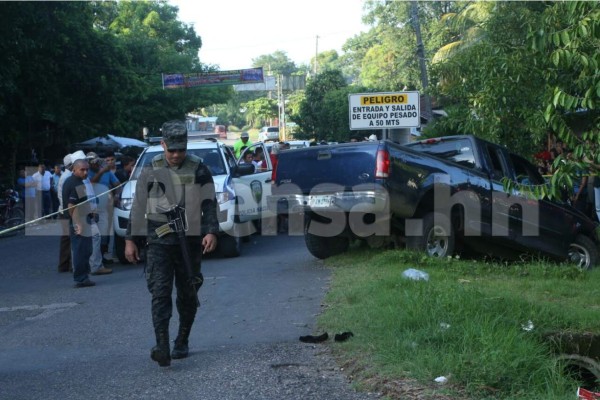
160 352
181 350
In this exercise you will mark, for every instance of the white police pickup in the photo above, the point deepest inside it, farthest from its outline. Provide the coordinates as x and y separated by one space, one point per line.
241 192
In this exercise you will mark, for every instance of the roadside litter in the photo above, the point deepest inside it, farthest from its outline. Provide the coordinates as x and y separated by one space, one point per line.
339 337
415 275
314 339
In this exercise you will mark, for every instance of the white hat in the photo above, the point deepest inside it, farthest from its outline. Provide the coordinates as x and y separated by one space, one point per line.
373 137
67 161
78 155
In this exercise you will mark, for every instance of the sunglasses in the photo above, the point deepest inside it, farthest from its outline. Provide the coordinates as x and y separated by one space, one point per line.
176 150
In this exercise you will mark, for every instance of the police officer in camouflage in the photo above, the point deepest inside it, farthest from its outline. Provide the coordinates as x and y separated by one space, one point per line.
175 178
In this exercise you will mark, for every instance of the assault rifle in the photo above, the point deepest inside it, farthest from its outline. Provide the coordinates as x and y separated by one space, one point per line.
177 223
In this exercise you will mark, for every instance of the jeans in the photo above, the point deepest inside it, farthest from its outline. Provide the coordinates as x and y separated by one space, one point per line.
96 256
81 249
45 201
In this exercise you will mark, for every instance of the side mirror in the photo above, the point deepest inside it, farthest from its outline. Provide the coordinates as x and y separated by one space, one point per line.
243 169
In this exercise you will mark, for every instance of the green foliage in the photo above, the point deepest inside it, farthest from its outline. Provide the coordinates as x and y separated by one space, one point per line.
490 78
277 63
74 70
260 112
517 73
570 35
326 61
355 50
312 116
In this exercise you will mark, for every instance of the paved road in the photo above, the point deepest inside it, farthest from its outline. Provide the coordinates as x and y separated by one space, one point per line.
93 343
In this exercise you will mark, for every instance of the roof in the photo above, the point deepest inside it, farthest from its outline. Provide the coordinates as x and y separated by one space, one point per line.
111 142
192 144
125 141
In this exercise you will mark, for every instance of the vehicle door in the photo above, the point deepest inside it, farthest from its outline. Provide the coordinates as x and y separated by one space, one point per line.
253 190
538 225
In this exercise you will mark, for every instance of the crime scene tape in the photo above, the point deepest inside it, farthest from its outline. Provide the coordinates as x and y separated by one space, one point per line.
33 221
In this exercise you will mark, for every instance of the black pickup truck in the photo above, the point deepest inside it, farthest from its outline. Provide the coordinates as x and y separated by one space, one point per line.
442 196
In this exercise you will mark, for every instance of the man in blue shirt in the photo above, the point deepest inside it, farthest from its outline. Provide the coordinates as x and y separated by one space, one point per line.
103 180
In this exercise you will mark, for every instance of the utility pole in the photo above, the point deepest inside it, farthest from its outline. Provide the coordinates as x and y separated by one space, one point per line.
421 55
281 106
316 54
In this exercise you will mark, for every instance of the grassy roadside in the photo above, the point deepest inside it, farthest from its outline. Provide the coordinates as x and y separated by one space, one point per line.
480 324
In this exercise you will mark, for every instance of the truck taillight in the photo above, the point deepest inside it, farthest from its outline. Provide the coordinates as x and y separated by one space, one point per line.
382 167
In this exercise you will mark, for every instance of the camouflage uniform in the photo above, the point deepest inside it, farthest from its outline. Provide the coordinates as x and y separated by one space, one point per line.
189 185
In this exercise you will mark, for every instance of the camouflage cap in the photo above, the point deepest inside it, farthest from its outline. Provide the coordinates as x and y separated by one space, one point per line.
174 134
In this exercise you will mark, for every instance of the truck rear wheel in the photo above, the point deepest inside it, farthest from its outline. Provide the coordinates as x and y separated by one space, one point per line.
324 247
583 253
437 239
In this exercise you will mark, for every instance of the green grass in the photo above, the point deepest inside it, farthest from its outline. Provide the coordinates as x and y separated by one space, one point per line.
466 323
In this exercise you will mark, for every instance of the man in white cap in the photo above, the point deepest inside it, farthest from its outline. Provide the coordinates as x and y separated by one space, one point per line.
64 259
81 216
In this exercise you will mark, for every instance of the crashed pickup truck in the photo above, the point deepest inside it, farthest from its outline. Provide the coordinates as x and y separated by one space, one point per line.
441 196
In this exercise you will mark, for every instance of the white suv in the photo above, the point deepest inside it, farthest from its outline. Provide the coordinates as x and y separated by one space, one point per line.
236 187
269 133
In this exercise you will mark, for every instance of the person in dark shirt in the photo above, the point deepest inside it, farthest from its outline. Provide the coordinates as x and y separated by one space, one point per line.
124 173
80 219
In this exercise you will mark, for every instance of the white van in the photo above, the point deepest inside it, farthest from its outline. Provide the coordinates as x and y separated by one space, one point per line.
269 133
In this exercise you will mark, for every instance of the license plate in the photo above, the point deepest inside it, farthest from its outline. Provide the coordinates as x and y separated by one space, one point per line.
320 201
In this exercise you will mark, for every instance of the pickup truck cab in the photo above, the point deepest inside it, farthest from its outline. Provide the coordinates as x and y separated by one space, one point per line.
241 193
440 195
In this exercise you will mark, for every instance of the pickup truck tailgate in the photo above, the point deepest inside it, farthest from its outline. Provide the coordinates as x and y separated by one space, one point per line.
330 167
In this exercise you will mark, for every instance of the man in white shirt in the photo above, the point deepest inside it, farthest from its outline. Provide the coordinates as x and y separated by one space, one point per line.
43 181
64 255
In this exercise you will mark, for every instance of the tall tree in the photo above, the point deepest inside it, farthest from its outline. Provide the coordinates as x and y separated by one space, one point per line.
277 63
569 36
312 117
326 60
72 70
260 112
490 79
159 43
385 56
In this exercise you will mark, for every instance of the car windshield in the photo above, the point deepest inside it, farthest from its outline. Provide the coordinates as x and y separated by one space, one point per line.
210 157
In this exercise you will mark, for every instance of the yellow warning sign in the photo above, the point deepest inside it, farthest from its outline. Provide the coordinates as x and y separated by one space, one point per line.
386 99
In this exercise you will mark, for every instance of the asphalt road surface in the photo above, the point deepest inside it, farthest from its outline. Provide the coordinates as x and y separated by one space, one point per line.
58 342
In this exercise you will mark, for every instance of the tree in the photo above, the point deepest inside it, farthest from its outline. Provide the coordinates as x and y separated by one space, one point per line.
326 60
570 35
158 43
384 58
76 69
260 111
277 63
491 82
311 116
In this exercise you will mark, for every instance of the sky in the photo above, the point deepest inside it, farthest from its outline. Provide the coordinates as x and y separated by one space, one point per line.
234 32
